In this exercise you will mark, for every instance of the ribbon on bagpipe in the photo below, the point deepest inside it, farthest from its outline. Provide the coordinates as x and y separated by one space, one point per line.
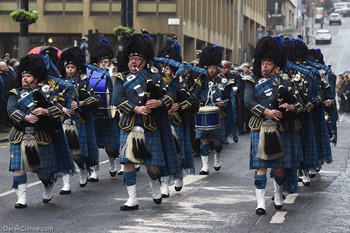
328 70
181 66
56 76
301 69
69 88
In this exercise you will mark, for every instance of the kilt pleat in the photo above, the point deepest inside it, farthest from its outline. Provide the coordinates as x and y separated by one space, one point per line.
107 132
187 162
63 156
308 142
322 136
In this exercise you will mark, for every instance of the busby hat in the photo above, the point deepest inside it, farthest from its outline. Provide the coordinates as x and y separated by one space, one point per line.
172 50
301 50
317 55
33 64
71 55
139 45
269 49
210 56
103 50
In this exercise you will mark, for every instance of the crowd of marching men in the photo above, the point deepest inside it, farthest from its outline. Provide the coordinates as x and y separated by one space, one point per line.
159 111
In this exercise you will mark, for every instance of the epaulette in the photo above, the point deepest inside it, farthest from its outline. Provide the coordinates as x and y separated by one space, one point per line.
250 79
14 91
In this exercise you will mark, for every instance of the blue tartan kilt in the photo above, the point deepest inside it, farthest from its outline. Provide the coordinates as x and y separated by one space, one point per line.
284 162
47 155
87 140
230 123
297 150
81 128
107 132
153 144
322 136
63 156
215 134
308 142
187 162
91 142
291 174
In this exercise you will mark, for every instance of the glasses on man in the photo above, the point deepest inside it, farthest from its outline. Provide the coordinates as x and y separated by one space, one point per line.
135 58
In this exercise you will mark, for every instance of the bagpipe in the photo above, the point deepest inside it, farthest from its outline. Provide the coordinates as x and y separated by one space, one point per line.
67 89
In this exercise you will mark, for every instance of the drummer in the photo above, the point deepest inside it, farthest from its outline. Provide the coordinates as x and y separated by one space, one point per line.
212 94
106 128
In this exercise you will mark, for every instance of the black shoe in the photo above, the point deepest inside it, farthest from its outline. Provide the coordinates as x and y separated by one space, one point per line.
137 168
120 173
235 139
65 192
20 206
165 195
260 211
178 189
277 207
195 154
306 183
312 175
203 173
216 169
158 201
92 180
112 174
127 208
47 200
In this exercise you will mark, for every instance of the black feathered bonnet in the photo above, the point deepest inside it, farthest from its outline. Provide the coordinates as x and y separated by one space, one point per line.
71 55
33 64
269 49
210 56
103 50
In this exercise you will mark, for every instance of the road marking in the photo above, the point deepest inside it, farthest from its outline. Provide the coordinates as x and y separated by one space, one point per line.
189 179
38 182
290 199
279 217
12 191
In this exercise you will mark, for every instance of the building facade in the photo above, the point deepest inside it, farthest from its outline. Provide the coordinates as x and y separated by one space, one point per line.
235 25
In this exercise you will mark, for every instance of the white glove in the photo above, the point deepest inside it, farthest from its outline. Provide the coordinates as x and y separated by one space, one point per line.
234 89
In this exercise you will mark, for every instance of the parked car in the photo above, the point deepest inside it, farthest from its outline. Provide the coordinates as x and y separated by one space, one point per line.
323 35
345 12
335 18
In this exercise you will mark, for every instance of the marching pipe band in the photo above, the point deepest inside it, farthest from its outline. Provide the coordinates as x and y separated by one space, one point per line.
148 113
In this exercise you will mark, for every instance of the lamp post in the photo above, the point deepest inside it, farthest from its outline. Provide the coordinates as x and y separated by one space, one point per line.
23 40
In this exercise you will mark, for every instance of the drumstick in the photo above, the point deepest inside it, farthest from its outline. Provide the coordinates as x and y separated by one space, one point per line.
212 104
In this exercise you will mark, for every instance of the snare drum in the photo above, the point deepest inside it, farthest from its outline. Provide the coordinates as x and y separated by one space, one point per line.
100 89
208 118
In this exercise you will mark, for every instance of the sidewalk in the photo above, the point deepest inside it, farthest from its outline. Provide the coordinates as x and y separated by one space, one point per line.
3 137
